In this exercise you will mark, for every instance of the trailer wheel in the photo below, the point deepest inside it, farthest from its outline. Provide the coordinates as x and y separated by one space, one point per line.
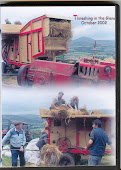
22 75
66 159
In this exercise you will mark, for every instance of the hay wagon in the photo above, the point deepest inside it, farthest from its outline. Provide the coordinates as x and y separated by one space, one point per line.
33 49
72 135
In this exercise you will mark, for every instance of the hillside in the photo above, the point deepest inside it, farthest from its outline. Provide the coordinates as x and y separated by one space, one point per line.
84 47
34 121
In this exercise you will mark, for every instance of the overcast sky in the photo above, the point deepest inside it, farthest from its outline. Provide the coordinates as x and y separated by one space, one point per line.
30 100
97 31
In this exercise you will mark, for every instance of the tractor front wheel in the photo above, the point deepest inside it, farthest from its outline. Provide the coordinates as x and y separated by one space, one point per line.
22 75
66 159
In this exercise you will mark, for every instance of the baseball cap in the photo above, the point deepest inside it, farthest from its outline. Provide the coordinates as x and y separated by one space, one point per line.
61 93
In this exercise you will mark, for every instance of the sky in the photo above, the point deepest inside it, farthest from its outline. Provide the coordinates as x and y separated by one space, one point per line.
30 100
95 31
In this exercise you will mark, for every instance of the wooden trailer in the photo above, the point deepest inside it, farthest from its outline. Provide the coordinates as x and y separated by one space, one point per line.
72 136
10 44
42 38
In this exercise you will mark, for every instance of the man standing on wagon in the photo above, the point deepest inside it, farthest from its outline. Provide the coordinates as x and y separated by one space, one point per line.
17 142
97 143
74 102
58 101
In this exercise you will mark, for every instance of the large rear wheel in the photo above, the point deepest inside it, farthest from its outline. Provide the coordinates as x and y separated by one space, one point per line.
66 159
22 76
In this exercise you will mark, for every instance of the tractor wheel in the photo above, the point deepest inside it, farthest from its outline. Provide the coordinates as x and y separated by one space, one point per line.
22 75
107 70
66 159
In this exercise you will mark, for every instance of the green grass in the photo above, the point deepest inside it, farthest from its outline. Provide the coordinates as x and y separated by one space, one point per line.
6 161
107 160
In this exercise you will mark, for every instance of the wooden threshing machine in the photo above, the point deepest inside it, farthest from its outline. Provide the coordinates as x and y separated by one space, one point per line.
72 135
34 50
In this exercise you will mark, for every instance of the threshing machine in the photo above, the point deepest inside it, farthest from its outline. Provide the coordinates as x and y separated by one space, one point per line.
35 48
72 137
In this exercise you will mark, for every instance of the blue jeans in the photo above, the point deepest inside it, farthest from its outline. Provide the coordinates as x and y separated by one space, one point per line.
15 154
73 107
94 160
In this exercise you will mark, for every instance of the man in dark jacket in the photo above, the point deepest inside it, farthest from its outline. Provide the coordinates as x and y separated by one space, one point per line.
97 144
42 140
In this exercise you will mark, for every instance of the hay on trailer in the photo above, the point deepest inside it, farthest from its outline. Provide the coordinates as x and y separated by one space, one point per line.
61 114
48 151
60 29
66 113
96 112
83 111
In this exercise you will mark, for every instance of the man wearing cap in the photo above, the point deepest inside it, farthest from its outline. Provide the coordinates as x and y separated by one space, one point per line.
74 102
58 101
97 143
17 142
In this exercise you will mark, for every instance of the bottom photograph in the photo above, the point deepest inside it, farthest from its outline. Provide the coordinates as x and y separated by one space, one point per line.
58 127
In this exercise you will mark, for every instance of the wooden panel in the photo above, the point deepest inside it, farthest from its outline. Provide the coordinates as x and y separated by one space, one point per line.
37 24
35 43
108 127
55 43
23 49
57 132
71 132
46 27
11 28
27 29
83 138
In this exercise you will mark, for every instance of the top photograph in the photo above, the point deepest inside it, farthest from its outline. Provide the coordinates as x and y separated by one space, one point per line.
58 46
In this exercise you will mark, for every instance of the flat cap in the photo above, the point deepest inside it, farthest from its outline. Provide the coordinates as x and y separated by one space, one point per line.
17 123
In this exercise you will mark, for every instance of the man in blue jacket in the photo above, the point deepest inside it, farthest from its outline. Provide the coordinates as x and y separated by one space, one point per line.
17 142
97 144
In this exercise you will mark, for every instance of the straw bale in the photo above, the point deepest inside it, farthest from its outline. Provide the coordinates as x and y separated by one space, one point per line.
48 151
96 112
60 29
83 111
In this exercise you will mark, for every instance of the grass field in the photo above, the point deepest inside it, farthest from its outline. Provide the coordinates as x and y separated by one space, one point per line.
107 160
